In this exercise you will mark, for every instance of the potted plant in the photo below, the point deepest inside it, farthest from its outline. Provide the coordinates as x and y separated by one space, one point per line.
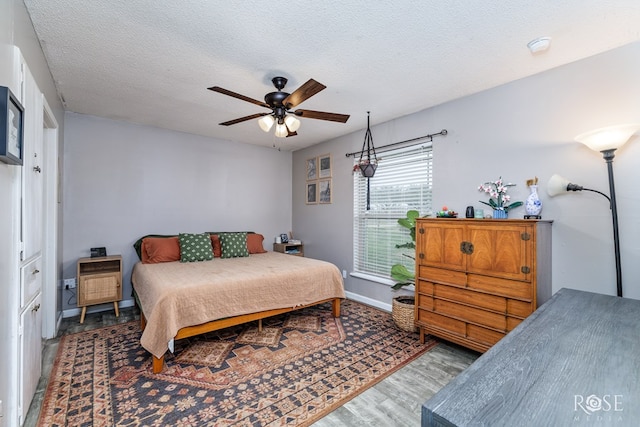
499 199
402 308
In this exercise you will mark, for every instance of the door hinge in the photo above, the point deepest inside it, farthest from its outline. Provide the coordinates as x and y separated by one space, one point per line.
525 269
525 236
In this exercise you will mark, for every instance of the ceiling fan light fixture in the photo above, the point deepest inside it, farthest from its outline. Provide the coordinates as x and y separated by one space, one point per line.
266 122
292 123
281 130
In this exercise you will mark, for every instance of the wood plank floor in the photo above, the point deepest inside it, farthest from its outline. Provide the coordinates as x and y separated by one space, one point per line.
395 401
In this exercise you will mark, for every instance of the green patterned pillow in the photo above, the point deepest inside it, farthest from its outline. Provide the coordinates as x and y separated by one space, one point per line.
195 247
233 245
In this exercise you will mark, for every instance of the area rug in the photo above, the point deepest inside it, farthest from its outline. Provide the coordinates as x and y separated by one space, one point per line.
300 367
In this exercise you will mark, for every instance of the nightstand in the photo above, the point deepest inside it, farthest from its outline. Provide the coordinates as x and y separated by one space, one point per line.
99 282
289 248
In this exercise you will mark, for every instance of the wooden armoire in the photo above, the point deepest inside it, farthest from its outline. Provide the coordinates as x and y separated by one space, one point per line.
477 279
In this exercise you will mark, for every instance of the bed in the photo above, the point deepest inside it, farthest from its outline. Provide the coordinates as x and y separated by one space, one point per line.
183 299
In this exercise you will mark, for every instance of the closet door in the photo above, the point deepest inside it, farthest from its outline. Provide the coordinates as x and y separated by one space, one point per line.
30 335
32 191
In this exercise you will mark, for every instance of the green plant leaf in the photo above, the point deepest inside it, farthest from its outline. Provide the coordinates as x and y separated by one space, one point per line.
400 285
406 223
412 215
408 245
400 273
513 205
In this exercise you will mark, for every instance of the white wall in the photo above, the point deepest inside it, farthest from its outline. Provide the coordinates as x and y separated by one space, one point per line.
518 130
123 181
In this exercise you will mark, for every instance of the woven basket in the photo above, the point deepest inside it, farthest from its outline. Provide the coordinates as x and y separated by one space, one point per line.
402 312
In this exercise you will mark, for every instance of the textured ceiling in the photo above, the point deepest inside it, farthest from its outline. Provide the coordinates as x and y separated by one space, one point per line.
150 61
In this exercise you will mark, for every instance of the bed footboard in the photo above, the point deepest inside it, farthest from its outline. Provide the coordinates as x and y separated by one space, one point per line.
190 331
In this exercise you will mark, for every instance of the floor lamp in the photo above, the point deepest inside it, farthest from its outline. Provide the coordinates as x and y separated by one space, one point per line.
607 141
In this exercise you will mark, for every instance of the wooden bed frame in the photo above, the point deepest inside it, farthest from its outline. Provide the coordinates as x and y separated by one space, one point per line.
190 331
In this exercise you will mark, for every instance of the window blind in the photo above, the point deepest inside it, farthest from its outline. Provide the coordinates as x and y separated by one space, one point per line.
402 182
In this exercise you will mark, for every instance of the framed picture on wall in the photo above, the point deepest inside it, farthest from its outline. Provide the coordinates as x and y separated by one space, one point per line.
324 164
312 169
11 127
312 193
324 191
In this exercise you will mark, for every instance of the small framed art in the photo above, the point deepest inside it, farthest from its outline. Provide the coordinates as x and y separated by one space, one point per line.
312 169
324 191
11 127
324 164
312 193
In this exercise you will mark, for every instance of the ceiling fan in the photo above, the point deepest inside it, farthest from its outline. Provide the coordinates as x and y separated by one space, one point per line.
280 104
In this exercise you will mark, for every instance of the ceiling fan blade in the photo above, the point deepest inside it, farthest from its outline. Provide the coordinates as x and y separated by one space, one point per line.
304 92
237 95
243 119
321 115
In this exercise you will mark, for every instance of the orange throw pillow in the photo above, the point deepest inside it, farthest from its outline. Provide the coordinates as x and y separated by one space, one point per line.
160 249
217 248
254 243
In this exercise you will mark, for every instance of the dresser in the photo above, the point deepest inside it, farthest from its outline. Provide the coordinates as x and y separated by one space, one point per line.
477 279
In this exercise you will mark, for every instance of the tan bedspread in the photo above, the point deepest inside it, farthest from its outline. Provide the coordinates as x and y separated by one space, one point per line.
174 295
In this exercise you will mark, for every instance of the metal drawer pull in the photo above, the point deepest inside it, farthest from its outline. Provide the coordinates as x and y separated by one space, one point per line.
466 248
35 271
36 307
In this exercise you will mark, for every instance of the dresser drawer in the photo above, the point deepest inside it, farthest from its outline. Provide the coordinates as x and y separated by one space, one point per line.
441 275
519 308
473 298
508 288
443 322
471 314
30 280
483 335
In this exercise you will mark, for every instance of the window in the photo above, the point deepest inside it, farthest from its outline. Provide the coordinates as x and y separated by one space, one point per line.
402 182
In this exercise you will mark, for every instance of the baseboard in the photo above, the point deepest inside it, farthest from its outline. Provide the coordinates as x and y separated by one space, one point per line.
71 312
369 301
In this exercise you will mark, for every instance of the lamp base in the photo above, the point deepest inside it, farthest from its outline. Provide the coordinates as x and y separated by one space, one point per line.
533 217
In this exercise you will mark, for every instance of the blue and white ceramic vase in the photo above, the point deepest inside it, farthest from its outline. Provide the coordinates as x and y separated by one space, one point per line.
500 214
533 206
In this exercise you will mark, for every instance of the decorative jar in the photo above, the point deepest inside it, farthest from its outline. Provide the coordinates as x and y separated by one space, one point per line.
533 206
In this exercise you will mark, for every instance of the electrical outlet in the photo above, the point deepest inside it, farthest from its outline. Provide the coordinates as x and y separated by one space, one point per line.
69 283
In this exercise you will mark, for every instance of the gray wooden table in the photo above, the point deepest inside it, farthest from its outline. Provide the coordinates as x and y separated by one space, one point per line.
573 362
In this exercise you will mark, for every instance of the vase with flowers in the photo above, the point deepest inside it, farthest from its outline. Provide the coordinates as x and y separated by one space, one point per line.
499 200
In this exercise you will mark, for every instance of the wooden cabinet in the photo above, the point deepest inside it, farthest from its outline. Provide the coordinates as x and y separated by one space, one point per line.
289 248
476 280
99 282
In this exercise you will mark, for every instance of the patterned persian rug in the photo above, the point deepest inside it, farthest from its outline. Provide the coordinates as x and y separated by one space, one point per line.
301 366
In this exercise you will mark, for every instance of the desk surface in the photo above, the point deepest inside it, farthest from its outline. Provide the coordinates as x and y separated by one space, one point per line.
574 361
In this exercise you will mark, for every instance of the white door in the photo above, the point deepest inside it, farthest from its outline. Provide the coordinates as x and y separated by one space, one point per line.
30 361
32 170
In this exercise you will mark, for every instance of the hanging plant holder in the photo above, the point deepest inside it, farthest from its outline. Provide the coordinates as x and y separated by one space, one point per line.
368 169
368 161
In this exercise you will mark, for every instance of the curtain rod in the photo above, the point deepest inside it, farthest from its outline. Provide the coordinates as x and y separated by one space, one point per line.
443 132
